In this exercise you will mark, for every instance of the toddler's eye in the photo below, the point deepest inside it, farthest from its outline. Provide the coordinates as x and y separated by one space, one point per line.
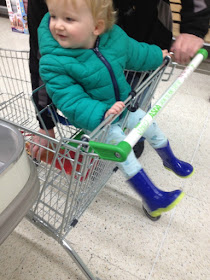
69 19
53 17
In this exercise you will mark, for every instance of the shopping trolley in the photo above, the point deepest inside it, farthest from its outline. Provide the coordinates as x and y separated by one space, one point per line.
70 171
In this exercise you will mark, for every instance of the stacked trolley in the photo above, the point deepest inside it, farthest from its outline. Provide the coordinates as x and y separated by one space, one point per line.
70 172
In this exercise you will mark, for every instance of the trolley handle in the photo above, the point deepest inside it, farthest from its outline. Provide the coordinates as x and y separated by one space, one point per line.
120 152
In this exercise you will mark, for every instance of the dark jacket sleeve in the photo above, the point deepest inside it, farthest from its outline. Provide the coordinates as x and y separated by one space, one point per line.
141 20
36 10
195 16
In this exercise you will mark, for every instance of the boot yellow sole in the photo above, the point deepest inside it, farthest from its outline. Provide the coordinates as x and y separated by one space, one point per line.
159 211
185 177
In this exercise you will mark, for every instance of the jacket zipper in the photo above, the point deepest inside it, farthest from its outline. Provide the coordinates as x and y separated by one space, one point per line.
108 66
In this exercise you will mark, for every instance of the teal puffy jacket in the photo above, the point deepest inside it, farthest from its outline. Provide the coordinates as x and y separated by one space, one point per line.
81 85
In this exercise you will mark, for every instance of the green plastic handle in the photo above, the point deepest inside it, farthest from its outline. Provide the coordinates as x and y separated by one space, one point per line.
116 153
203 52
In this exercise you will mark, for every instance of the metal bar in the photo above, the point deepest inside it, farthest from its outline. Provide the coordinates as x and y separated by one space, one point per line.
75 257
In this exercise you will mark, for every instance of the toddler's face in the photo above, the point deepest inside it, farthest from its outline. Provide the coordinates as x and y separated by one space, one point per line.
72 27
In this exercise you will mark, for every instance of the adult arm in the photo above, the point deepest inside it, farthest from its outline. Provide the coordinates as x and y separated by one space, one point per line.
194 26
35 12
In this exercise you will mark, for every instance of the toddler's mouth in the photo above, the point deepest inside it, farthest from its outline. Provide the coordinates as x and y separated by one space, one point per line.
61 36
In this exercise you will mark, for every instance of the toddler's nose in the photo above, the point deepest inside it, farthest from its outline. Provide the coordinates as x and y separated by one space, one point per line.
59 25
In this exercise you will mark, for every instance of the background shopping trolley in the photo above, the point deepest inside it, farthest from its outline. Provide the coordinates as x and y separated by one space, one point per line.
71 174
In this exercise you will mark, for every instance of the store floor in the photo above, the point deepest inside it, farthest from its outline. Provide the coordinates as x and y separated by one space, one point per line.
114 237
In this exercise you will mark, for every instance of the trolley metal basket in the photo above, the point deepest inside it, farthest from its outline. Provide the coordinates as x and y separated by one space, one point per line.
71 174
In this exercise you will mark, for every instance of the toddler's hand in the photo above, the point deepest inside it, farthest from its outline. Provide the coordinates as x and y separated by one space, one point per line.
115 109
165 53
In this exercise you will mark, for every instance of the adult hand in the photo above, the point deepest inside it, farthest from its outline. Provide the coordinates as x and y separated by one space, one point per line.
36 150
185 47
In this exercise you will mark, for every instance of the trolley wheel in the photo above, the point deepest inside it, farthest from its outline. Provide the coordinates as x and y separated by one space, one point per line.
154 219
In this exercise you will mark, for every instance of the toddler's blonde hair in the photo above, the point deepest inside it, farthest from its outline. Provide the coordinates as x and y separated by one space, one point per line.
100 9
103 9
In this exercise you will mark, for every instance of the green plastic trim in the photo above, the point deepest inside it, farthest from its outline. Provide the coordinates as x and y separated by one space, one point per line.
203 52
116 153
77 137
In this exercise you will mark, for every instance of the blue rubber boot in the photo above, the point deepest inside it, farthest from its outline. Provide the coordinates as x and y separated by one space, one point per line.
155 201
170 162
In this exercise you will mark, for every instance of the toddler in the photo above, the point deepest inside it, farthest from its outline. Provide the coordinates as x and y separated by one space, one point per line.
83 57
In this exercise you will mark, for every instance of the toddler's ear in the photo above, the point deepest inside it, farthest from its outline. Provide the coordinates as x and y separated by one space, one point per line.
100 27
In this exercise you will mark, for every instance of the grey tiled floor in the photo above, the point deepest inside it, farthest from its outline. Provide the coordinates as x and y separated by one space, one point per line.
113 237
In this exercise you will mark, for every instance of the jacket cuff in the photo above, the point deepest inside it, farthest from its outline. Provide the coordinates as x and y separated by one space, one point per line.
196 24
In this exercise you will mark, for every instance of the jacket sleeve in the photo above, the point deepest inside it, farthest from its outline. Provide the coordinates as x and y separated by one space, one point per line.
69 97
195 16
142 56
